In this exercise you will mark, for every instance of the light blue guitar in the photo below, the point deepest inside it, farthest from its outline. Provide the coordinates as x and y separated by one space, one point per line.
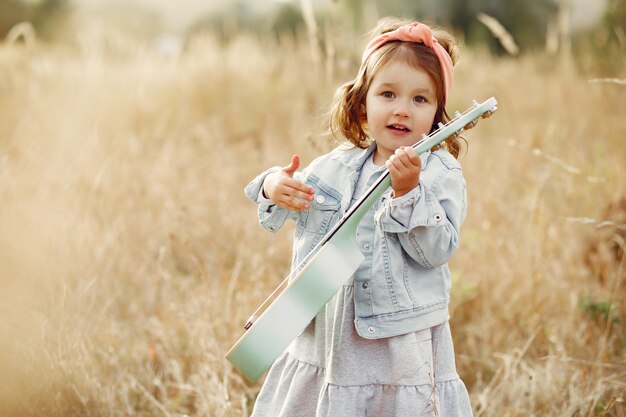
320 276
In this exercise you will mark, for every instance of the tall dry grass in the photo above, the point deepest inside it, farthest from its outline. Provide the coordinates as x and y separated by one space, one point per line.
129 257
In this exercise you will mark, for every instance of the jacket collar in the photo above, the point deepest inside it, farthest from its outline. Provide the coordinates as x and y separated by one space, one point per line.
354 157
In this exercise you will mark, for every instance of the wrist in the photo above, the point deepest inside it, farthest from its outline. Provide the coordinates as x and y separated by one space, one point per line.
264 190
268 184
401 192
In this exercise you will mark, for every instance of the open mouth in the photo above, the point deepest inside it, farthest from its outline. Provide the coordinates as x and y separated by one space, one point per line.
399 128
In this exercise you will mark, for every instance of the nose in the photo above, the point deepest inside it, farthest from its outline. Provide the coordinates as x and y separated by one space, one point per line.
401 109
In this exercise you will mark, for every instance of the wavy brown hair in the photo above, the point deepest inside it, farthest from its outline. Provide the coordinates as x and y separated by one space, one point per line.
348 119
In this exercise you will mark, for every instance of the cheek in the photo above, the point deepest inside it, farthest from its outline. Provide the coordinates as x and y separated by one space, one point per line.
432 113
369 107
374 111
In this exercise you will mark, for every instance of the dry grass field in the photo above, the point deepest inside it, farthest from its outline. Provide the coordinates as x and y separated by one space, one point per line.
130 258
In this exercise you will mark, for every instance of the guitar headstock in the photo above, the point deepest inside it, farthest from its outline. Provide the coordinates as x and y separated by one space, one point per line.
475 105
455 127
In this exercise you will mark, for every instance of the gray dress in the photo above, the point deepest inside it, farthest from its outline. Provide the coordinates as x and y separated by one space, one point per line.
330 371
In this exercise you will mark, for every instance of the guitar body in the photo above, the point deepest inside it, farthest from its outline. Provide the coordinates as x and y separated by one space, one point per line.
297 305
334 261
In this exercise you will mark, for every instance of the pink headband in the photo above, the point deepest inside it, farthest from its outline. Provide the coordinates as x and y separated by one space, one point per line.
419 33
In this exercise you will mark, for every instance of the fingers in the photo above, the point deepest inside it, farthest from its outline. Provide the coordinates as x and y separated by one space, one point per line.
404 158
287 192
293 199
292 203
407 156
393 167
293 194
412 156
293 166
405 167
296 189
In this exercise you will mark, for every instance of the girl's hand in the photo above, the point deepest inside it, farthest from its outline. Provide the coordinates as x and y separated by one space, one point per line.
286 192
405 167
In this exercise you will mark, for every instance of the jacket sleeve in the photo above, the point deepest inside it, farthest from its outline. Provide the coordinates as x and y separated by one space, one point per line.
427 221
271 216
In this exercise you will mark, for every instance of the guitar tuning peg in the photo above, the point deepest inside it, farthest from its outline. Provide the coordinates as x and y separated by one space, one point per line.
424 136
441 125
475 103
488 113
457 115
456 134
471 124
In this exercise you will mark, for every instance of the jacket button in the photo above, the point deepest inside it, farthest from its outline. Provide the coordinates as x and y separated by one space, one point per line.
438 217
320 199
371 329
367 246
365 285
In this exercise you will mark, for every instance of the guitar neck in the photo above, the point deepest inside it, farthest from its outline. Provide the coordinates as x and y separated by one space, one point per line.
326 267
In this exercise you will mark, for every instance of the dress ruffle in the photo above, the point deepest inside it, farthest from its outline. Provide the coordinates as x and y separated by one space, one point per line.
330 371
298 381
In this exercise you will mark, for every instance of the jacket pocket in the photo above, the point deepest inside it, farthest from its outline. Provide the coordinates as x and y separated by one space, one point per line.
324 207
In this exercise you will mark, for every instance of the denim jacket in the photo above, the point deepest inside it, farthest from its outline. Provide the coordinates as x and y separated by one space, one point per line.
415 236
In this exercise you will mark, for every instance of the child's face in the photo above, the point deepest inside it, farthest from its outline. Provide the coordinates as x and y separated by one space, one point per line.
400 106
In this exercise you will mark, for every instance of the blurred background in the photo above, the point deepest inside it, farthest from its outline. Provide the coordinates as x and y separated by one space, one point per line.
572 25
130 259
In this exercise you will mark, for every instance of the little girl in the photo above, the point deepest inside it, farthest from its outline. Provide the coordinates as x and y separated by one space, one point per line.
382 345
